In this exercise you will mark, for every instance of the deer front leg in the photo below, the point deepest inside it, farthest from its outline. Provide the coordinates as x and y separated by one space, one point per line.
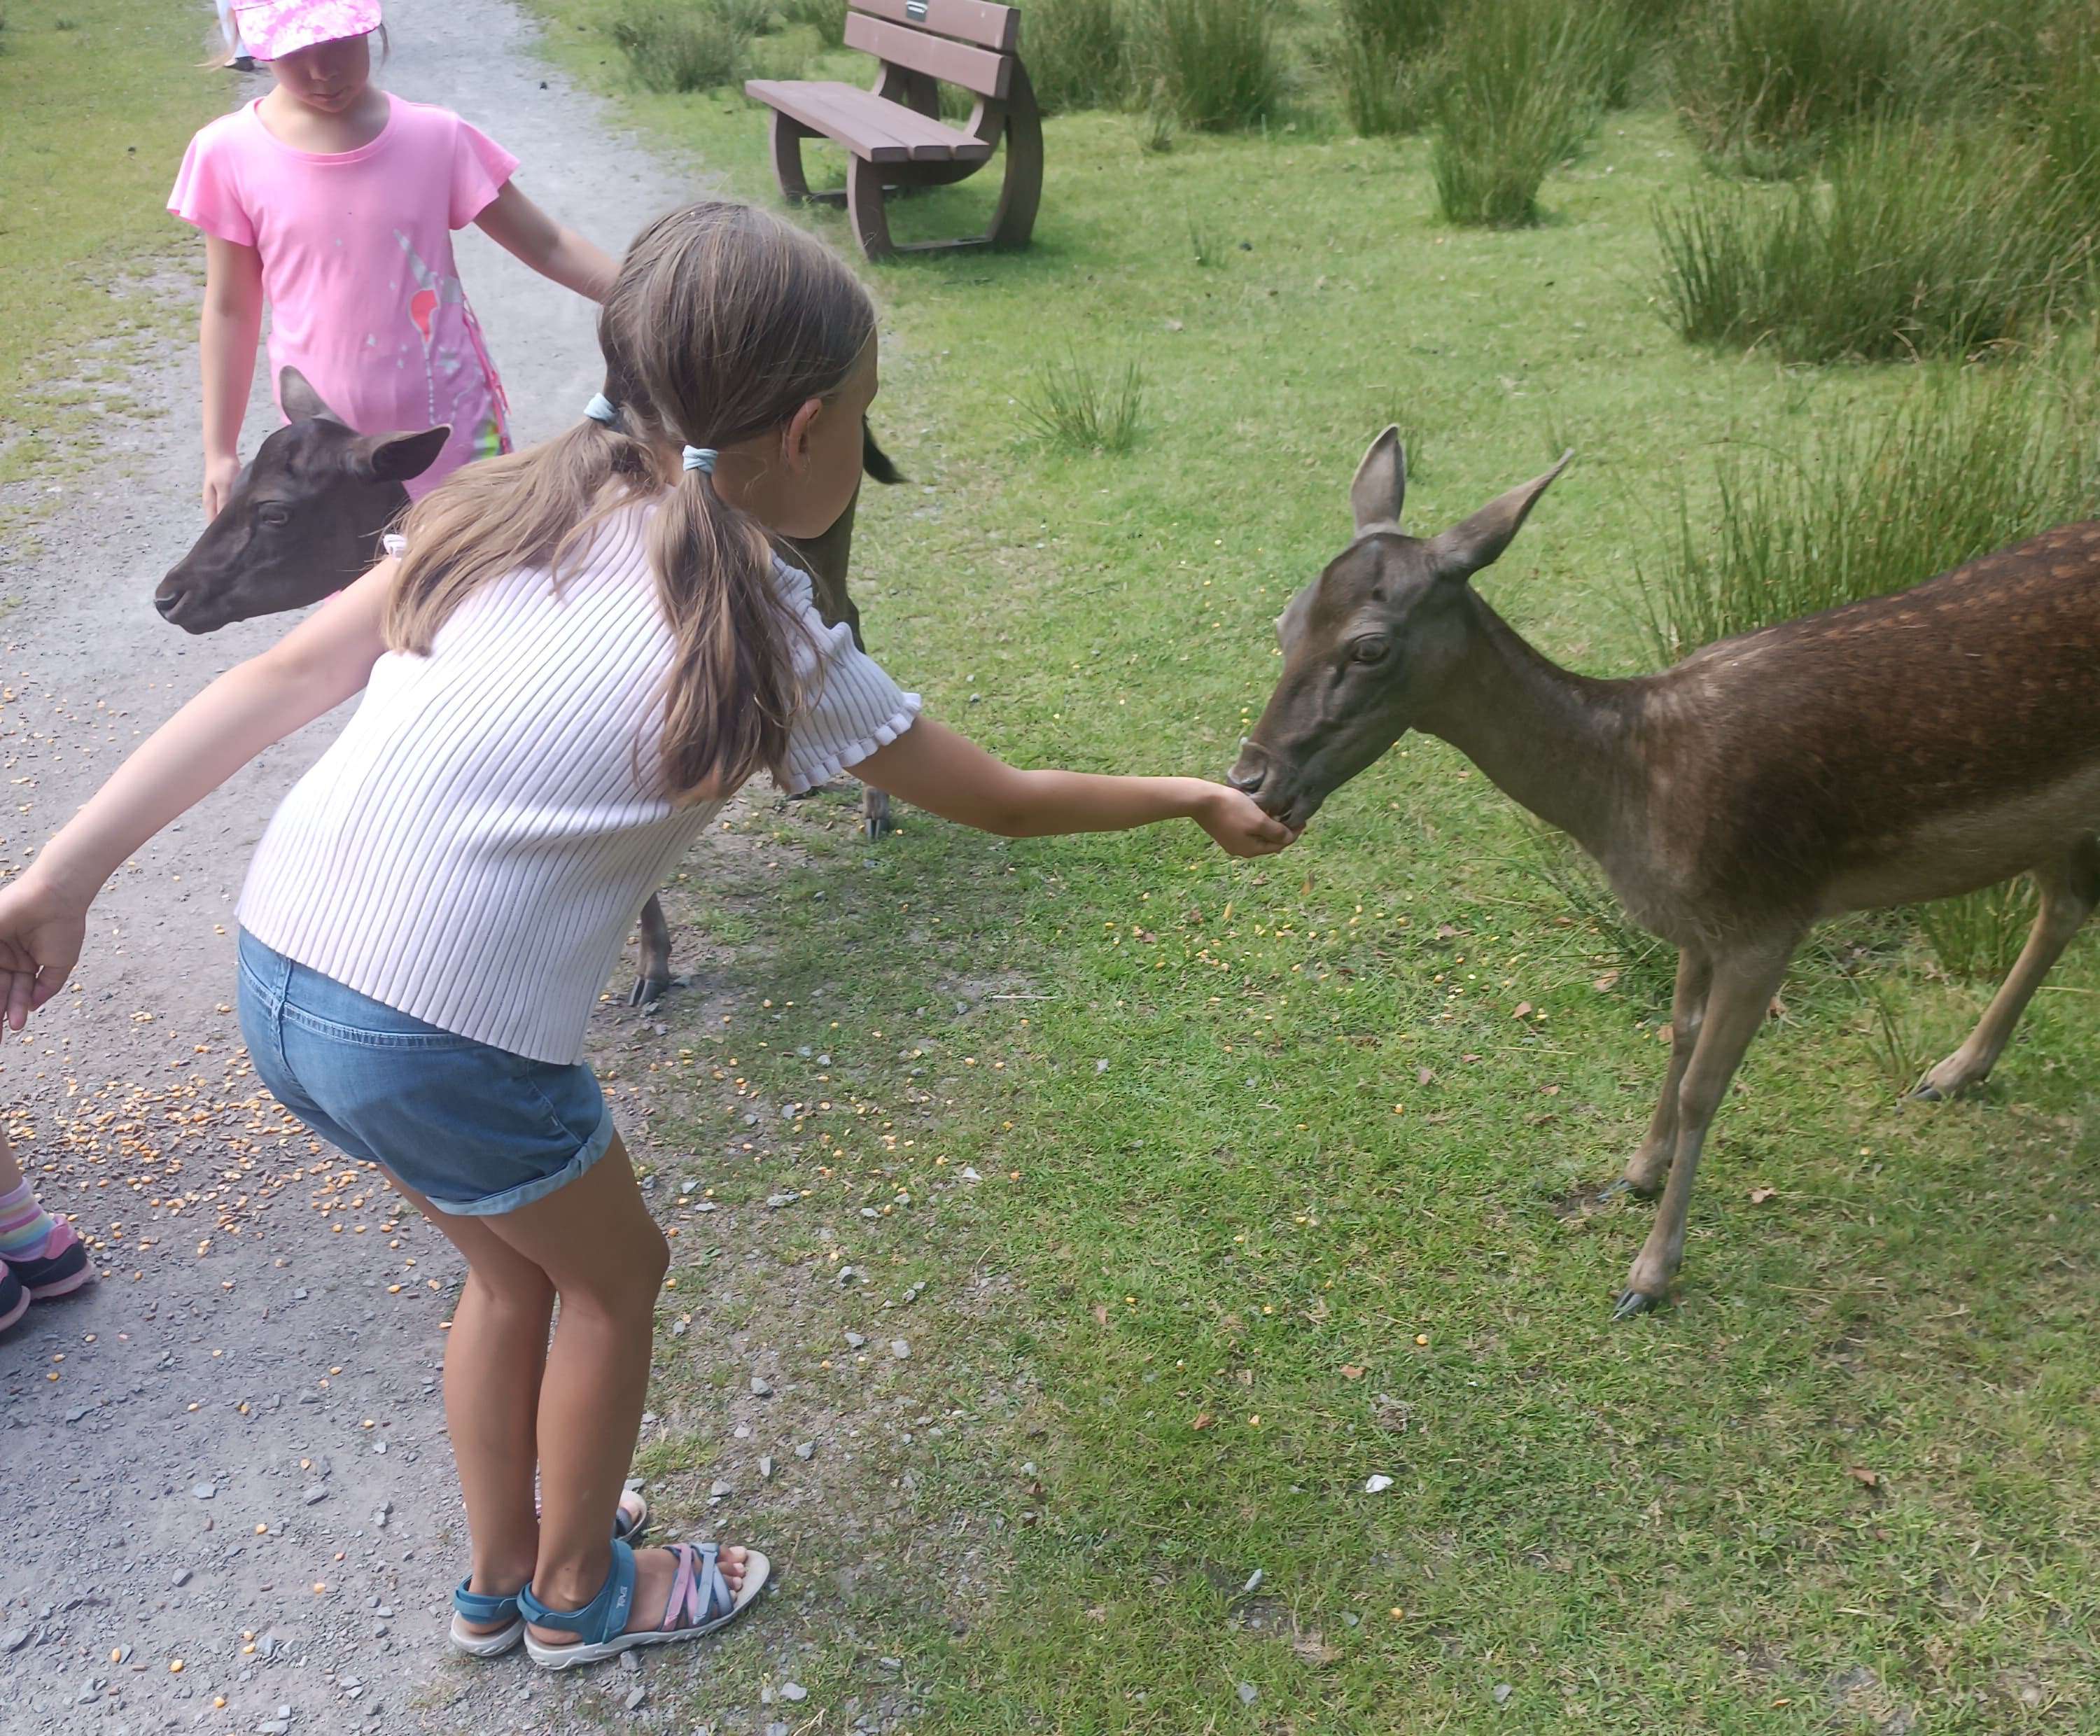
1742 985
1646 1169
655 976
2069 888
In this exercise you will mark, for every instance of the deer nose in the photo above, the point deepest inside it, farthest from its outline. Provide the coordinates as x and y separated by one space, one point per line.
1249 770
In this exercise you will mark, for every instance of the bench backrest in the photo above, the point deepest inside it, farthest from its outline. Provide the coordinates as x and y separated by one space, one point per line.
966 43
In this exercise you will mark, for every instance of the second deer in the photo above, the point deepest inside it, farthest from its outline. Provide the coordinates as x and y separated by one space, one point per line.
1903 749
306 516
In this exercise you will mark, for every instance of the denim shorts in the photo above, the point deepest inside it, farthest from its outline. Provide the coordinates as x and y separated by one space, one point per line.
476 1130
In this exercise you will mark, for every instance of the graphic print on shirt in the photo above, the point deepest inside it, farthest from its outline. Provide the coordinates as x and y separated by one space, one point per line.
434 290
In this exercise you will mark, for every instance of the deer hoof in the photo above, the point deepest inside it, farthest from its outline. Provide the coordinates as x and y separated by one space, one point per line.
1632 1302
648 991
1926 1093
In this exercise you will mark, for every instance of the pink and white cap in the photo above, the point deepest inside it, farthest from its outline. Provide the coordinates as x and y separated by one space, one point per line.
273 29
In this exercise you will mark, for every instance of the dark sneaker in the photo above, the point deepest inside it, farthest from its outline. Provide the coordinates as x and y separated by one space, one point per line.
14 1299
242 63
60 1269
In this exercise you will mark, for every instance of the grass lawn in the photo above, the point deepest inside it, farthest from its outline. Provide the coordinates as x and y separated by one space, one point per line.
97 99
1284 1166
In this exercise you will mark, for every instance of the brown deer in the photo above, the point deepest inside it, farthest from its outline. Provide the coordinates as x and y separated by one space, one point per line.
307 514
1902 749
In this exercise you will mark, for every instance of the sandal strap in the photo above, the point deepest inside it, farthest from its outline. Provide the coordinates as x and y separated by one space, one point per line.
699 1593
481 1606
604 1617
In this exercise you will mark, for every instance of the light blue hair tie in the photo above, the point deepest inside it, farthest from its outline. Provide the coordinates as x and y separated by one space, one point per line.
603 408
701 458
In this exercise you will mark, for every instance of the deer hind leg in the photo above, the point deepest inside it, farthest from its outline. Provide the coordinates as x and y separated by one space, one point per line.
875 810
655 976
1650 1163
1742 985
2070 887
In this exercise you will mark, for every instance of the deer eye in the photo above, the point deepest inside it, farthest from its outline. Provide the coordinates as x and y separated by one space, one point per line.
1369 650
275 514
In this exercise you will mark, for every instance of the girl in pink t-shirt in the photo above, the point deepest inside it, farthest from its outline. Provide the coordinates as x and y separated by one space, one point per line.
334 202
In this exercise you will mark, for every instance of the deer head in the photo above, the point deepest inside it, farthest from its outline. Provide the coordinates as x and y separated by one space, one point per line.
1369 645
304 520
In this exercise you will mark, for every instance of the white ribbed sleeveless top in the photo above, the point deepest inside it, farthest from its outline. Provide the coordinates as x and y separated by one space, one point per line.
475 847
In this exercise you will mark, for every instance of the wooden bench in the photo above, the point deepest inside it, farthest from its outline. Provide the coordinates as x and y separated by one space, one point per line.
894 133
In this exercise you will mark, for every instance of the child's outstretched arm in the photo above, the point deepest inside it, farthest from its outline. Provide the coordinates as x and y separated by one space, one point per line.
932 767
226 341
313 667
552 250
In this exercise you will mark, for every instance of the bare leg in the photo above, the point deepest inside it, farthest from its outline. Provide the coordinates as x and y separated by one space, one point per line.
11 1171
1743 983
494 1356
1646 1169
655 978
595 1239
2069 890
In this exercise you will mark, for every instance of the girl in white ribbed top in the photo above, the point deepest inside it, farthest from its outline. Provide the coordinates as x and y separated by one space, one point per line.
586 648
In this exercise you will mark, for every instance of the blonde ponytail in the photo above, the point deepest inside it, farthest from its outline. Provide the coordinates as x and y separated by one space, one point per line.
722 323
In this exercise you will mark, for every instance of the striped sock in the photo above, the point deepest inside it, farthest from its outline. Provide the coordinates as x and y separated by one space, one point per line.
25 1226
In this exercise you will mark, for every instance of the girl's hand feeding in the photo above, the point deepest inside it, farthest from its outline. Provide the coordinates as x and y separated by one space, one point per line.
932 767
1238 825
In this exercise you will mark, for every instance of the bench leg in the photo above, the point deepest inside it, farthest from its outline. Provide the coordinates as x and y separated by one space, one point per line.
1022 191
870 223
788 137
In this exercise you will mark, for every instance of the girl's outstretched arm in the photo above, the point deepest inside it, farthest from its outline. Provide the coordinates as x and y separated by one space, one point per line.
313 669
226 341
932 767
552 250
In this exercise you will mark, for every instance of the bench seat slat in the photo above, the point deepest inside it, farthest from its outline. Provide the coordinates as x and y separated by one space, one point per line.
955 62
871 127
987 26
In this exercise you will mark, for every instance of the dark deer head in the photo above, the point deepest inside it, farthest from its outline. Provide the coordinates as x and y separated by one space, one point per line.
1368 644
305 517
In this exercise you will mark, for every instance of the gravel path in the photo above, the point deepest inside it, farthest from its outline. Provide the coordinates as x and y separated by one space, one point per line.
227 1487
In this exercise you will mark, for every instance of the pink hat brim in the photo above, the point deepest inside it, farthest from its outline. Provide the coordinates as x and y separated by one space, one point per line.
270 29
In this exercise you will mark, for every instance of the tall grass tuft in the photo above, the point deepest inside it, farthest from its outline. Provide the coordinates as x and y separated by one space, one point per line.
678 47
1519 85
827 18
1976 937
1766 85
1966 464
1381 48
2068 105
1217 65
1076 406
1077 54
1920 244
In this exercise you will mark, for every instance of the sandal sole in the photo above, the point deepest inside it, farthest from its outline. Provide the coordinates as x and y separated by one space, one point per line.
758 1572
496 1645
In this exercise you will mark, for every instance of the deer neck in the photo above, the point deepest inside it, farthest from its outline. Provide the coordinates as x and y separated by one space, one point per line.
1553 741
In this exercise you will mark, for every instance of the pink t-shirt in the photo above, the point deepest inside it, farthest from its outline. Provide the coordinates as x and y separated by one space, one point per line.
357 265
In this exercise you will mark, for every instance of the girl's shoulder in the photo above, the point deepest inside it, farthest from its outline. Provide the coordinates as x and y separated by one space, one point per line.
237 130
427 121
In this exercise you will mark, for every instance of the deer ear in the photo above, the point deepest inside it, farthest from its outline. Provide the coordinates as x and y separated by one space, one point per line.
1381 482
300 401
396 457
1465 549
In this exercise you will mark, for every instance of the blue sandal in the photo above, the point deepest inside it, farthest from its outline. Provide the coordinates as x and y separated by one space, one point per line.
486 1610
700 1601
